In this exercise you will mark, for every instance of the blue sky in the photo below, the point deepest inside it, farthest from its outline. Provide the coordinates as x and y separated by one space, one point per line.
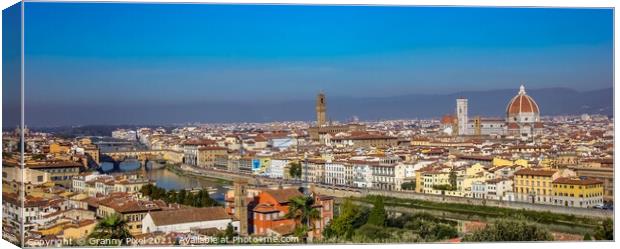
94 54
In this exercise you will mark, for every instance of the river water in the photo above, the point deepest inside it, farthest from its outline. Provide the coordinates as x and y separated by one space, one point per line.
171 181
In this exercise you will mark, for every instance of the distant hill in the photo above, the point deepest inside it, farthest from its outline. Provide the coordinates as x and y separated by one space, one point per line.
552 101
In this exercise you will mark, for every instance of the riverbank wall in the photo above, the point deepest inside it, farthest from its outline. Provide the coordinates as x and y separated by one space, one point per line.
340 193
226 176
586 212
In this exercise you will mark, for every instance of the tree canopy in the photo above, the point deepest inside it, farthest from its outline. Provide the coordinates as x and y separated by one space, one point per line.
295 170
111 230
348 219
198 199
605 231
504 230
302 208
377 213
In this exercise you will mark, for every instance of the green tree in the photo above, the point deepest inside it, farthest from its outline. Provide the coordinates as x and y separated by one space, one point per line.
408 185
189 199
342 226
605 231
147 190
295 170
452 178
112 229
431 231
373 232
207 201
199 199
171 196
302 209
158 193
181 196
447 187
230 231
504 230
377 215
301 231
587 237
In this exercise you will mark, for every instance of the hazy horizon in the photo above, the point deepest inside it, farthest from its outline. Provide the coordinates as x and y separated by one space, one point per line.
97 63
488 103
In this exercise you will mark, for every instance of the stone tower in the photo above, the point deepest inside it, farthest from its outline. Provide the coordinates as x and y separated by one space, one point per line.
461 115
320 109
241 207
477 126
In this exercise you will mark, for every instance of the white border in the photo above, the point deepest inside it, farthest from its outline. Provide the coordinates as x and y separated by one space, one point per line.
505 3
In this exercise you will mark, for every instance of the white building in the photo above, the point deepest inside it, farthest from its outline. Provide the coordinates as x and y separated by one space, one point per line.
403 173
27 175
276 168
281 143
362 175
479 190
125 134
335 174
384 173
102 184
185 220
500 189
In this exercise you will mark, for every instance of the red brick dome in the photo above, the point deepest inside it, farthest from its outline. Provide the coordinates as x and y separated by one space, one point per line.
522 103
448 119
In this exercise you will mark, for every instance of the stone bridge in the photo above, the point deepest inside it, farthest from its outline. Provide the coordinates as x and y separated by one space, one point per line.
143 156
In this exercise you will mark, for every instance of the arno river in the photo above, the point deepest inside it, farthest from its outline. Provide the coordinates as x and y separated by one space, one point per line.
170 180
163 177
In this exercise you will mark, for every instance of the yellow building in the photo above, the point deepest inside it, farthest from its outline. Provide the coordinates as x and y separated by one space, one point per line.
470 175
92 151
418 181
173 156
207 155
85 141
577 192
52 230
69 230
546 163
504 162
60 148
501 162
433 178
79 230
522 162
59 171
535 185
131 211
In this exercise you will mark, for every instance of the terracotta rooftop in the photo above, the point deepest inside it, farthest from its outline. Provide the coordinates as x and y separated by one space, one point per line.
535 172
577 181
283 195
189 215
